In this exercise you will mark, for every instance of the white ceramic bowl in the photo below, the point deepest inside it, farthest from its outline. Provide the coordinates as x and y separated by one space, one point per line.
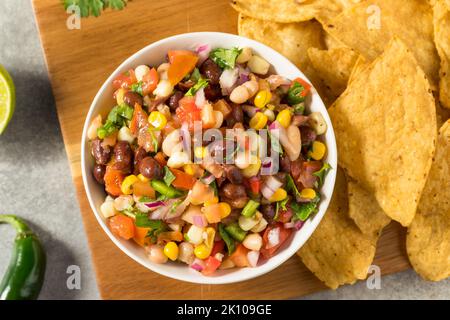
154 54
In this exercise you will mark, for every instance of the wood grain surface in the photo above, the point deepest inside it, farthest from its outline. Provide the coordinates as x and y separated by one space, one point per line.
78 62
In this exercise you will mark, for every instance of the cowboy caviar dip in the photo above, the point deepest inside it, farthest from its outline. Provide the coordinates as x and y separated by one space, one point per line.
179 196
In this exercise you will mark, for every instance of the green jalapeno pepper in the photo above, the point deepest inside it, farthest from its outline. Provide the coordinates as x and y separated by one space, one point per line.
25 275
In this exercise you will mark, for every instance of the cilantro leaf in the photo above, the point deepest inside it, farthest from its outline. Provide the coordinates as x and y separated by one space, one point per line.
322 172
156 226
145 199
225 58
280 205
303 211
169 177
117 118
195 75
202 83
137 87
154 140
290 186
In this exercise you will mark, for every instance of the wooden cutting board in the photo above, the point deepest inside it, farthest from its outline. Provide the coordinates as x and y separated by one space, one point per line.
78 62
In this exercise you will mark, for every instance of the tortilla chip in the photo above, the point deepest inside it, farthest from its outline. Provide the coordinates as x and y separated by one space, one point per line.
428 239
338 252
333 66
385 126
331 42
291 40
442 39
360 65
369 26
363 208
286 11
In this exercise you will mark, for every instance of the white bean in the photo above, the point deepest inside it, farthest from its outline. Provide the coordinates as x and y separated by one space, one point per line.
125 135
172 143
164 89
178 159
141 71
107 208
186 252
245 55
239 94
318 123
156 254
258 65
123 202
253 241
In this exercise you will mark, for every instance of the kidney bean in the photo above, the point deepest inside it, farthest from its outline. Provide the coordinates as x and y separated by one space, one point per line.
233 174
139 154
213 92
131 98
99 173
122 155
150 168
238 203
211 70
268 211
175 99
308 135
101 154
285 164
233 191
236 115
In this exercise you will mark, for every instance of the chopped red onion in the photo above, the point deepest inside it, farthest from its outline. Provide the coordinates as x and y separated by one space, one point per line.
228 80
244 75
154 204
298 225
203 51
270 186
199 221
186 137
198 265
273 238
253 257
200 98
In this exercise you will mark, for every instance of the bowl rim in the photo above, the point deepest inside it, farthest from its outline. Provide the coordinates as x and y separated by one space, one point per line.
269 265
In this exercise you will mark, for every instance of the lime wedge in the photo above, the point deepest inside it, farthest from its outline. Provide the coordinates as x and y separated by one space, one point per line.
7 98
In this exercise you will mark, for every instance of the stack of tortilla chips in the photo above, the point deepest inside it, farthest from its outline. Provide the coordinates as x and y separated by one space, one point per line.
383 69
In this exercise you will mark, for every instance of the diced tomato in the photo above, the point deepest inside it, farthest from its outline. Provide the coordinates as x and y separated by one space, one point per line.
140 236
141 188
182 180
140 119
239 256
188 112
124 80
160 158
254 184
181 63
211 265
305 85
113 181
150 81
122 226
218 247
267 250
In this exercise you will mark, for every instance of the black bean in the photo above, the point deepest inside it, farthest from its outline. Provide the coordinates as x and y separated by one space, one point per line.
175 99
122 155
233 174
285 164
211 70
131 98
150 168
101 154
233 191
268 211
139 154
213 92
99 173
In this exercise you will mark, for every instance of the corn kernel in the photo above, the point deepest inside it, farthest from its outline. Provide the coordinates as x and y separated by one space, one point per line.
142 178
258 121
225 210
308 193
202 251
278 195
318 150
189 169
252 169
171 250
157 120
127 184
200 152
212 201
262 98
119 96
284 117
